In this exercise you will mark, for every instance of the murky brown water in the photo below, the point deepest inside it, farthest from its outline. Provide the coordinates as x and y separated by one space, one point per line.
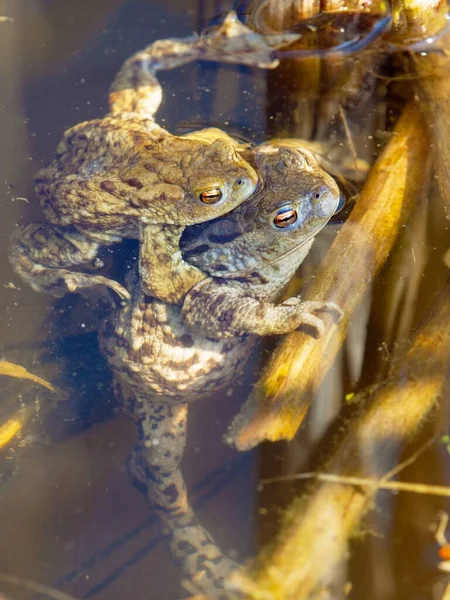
69 516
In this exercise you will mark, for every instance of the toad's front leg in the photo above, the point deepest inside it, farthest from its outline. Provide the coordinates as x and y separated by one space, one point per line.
163 272
221 310
40 254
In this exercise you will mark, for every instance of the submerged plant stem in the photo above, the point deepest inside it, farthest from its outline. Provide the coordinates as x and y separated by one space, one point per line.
13 370
35 587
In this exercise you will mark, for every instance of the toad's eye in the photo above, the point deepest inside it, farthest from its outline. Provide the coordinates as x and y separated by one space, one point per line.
285 217
211 196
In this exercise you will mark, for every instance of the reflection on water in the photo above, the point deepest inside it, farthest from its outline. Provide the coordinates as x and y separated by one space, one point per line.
327 34
70 517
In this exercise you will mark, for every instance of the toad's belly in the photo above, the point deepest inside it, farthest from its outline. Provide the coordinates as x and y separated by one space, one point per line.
151 351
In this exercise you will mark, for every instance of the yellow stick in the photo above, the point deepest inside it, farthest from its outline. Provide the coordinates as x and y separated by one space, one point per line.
9 430
7 368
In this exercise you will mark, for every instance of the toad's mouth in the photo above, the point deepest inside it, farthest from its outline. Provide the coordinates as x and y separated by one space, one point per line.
249 273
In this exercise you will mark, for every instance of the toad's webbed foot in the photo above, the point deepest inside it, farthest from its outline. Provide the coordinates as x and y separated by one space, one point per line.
75 282
305 313
207 567
40 253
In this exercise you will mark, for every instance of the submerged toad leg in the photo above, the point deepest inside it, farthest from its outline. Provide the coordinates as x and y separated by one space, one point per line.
223 311
136 88
155 467
40 254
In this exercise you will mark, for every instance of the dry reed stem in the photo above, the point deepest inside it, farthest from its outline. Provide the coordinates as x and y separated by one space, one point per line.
35 587
395 296
282 15
281 398
13 370
415 20
433 89
314 536
316 85
418 20
394 486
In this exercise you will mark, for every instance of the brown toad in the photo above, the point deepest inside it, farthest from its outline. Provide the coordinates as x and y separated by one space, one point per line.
124 176
164 356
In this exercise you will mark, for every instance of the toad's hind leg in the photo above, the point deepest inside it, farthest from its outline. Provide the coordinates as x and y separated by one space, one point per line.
136 89
155 466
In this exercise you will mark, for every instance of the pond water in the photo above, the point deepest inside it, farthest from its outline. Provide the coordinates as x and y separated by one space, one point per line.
69 516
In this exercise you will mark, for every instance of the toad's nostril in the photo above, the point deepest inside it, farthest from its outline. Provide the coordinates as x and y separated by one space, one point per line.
323 194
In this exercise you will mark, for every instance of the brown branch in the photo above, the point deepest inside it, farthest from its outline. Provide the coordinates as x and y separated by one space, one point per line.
317 527
281 398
